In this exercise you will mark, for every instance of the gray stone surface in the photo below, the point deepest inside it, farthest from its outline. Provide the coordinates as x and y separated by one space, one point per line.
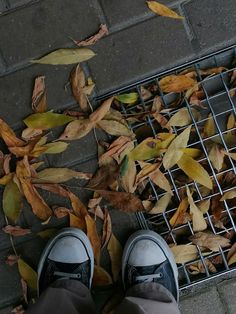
139 51
43 27
227 290
205 303
3 6
213 23
13 4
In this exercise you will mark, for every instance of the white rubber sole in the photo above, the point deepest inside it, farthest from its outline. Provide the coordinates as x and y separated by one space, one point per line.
79 234
148 234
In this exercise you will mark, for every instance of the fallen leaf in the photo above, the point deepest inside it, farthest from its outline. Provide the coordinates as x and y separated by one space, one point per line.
78 82
16 231
6 179
194 170
29 133
107 228
60 175
181 216
123 201
114 128
231 121
115 251
79 209
211 71
232 155
128 179
39 103
210 241
183 118
104 177
163 10
229 195
199 223
217 208
127 98
77 129
184 253
77 222
61 212
101 277
53 188
28 274
160 180
100 113
12 201
66 56
161 205
231 256
174 152
24 290
103 31
145 93
192 152
176 83
93 237
209 128
94 202
55 148
8 135
199 268
19 309
216 156
12 260
46 120
204 206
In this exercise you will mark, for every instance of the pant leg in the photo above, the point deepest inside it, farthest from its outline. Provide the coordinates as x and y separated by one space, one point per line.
148 298
64 296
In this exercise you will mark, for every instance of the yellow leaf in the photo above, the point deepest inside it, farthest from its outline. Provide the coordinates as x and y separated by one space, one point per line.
128 180
77 129
183 118
162 10
204 206
114 128
216 156
12 201
115 251
59 175
161 204
6 179
47 120
66 56
77 222
180 216
229 195
93 237
209 128
176 83
199 223
192 152
101 277
28 274
160 180
194 170
174 153
184 253
55 148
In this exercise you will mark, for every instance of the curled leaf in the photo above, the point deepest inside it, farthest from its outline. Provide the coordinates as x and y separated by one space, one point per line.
100 113
8 135
163 10
39 95
78 82
93 237
103 31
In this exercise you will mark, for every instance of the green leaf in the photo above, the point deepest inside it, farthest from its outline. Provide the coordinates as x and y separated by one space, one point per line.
28 274
127 98
66 56
12 201
124 166
47 120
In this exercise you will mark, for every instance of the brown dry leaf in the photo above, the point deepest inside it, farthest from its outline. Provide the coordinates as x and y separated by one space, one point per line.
60 175
115 251
183 118
174 152
160 180
94 202
231 257
93 237
77 222
184 253
105 176
211 71
16 231
161 204
194 170
61 212
229 195
216 156
181 216
28 133
232 155
77 129
79 209
8 135
31 149
217 208
176 83
210 241
53 188
162 121
115 128
107 228
163 10
231 121
12 260
204 206
39 103
103 31
199 268
101 277
100 113
78 82
199 223
123 201
209 128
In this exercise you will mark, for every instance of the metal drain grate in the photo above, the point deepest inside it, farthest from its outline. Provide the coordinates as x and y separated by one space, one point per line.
220 101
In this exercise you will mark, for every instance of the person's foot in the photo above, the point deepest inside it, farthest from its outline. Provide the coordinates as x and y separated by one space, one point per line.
68 255
147 258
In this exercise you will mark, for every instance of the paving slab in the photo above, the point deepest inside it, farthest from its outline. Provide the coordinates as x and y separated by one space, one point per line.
206 302
227 290
45 26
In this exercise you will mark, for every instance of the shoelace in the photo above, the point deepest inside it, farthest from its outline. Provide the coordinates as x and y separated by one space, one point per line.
148 278
67 275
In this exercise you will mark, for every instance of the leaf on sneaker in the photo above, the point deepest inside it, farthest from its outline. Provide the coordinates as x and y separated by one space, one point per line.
183 118
16 231
199 223
101 277
78 82
194 170
184 253
176 83
103 31
229 195
28 274
123 201
163 10
216 156
12 201
210 241
46 120
127 98
174 151
60 175
161 205
181 216
231 256
115 251
39 102
8 135
93 237
66 56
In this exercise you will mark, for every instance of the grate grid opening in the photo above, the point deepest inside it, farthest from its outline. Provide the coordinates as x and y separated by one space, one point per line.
219 101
